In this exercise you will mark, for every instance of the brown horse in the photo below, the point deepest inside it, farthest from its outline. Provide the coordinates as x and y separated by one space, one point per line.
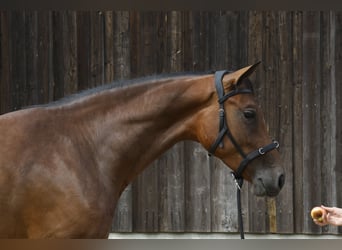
63 166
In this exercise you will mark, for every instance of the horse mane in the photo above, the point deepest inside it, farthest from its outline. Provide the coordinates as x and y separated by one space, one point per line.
122 83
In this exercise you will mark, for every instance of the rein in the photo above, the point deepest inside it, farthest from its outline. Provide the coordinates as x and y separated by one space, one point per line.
224 130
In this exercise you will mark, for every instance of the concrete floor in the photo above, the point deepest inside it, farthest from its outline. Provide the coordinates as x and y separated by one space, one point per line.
218 236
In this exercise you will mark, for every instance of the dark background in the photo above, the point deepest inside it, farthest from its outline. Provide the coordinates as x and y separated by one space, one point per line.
46 55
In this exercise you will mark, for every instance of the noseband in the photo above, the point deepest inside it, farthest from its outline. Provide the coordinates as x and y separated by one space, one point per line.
224 130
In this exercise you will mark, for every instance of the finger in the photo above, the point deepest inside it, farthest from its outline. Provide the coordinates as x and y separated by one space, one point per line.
320 223
328 209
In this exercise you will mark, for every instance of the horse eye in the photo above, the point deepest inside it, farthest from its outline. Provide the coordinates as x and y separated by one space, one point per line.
249 113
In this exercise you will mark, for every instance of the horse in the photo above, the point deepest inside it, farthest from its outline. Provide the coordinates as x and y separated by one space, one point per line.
64 165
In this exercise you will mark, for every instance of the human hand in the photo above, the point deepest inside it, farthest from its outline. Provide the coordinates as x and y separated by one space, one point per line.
333 216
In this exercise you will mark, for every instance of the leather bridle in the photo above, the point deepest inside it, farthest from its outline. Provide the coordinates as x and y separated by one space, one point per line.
224 130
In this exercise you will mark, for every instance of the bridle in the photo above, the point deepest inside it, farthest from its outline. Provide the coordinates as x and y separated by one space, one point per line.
224 130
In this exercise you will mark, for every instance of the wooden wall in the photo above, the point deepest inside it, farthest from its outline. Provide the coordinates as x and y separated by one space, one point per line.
45 55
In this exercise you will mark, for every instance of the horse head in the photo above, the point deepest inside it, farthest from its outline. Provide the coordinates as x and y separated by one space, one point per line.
233 128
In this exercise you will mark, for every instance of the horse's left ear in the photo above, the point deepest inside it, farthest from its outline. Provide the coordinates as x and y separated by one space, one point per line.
236 76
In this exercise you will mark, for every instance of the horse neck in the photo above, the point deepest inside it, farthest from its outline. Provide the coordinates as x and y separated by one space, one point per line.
130 127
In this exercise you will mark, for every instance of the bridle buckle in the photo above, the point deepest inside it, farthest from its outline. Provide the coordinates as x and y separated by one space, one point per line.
261 151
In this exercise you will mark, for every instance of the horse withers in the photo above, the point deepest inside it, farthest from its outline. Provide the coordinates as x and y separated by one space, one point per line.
63 166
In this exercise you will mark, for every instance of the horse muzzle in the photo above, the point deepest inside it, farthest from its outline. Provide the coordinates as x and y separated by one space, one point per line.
269 182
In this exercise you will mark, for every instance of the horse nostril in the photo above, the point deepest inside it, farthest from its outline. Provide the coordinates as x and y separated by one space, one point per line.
281 181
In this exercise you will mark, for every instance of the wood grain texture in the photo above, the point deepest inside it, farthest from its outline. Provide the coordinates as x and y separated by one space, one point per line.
45 55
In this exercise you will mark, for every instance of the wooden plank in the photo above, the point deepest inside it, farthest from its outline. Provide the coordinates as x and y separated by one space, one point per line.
270 102
145 202
234 42
192 43
83 49
134 21
219 55
171 163
197 215
18 59
171 169
188 43
176 41
255 217
199 41
197 188
328 113
64 53
196 160
205 35
122 49
108 53
58 55
284 202
70 52
163 38
146 187
297 72
243 30
44 43
223 189
311 117
171 190
123 217
5 63
96 48
337 75
223 199
31 95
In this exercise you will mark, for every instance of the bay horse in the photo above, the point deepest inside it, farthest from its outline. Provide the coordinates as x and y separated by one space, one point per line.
63 166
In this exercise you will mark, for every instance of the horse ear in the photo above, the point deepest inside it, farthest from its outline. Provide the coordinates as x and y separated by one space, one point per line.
236 76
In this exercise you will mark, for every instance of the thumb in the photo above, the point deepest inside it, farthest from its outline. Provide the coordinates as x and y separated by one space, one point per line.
328 209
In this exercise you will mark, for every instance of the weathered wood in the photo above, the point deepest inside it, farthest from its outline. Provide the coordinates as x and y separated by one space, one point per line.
297 162
328 113
146 187
70 53
31 57
83 49
172 190
45 64
172 165
58 56
108 47
134 21
284 123
311 117
65 54
256 218
5 67
122 46
223 189
45 55
96 48
123 217
17 59
197 201
337 76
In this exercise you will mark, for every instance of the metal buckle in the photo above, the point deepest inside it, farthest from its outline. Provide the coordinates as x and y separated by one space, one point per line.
261 151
